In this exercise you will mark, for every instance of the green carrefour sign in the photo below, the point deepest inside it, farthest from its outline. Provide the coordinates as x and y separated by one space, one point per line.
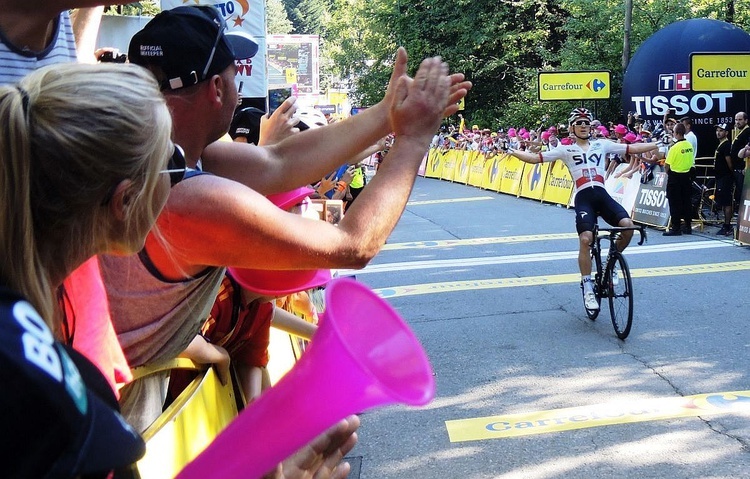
720 71
574 85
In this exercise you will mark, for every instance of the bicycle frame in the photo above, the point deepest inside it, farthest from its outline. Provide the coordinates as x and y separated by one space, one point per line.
611 234
612 279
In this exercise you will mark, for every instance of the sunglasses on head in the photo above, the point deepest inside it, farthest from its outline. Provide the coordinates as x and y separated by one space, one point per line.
582 123
222 24
176 167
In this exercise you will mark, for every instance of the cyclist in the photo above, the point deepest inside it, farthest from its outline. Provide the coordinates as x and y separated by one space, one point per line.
585 159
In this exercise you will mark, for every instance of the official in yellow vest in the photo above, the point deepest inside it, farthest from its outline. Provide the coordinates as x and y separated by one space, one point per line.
679 183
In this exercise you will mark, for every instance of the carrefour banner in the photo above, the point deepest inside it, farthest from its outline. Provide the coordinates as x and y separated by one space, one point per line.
720 71
492 172
461 175
574 85
651 206
533 180
510 183
558 187
476 169
435 162
449 164
248 17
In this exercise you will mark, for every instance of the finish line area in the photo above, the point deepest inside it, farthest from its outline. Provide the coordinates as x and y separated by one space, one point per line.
597 415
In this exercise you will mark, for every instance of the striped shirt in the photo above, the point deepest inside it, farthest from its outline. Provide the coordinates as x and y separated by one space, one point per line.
16 63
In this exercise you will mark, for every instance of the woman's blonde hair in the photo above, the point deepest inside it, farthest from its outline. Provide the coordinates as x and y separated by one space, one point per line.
70 134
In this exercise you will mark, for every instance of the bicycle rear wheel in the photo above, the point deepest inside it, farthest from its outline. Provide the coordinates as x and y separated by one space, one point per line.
620 286
593 313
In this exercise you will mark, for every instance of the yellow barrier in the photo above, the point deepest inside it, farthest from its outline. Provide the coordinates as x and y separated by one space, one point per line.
476 170
533 180
449 164
188 425
510 183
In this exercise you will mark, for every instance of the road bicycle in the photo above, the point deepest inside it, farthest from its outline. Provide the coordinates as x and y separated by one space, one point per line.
614 281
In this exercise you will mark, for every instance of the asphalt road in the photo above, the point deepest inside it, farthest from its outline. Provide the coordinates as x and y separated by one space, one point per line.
488 283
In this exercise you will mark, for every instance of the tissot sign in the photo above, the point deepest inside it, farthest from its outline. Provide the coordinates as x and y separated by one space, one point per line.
660 77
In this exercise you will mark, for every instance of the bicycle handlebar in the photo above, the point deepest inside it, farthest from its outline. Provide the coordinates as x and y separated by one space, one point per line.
617 229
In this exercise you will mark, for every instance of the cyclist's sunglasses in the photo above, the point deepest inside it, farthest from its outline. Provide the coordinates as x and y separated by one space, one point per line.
582 123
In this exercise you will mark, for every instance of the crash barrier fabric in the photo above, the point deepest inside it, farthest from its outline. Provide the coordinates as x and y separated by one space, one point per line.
552 183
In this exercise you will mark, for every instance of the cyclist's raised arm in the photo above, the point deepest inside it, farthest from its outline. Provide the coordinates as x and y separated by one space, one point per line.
526 156
642 147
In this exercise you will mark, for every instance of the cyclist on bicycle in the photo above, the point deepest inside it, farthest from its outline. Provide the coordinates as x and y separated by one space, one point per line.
585 160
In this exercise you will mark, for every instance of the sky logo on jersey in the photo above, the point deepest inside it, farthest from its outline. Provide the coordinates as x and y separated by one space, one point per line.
674 82
596 85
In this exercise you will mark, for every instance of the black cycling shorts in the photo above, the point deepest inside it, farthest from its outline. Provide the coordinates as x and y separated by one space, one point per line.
594 202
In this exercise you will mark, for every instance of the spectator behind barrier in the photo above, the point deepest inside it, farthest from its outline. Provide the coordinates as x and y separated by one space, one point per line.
211 222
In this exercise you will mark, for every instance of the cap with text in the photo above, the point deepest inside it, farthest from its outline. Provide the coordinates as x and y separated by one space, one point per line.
189 45
60 416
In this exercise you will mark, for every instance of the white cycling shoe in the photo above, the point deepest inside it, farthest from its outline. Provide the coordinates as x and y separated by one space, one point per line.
589 301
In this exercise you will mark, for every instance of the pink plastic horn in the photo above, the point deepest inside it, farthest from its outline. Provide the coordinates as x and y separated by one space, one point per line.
362 356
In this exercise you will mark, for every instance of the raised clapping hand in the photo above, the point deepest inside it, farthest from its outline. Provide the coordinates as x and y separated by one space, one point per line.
459 87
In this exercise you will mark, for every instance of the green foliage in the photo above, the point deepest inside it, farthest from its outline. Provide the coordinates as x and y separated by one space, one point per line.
277 21
308 17
146 8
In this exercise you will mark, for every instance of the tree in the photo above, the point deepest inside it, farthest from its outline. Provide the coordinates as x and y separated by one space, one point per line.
147 8
278 22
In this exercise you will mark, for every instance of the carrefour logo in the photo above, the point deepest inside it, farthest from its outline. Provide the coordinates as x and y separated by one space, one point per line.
596 85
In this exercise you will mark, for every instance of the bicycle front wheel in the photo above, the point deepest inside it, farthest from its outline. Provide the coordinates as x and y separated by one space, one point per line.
620 287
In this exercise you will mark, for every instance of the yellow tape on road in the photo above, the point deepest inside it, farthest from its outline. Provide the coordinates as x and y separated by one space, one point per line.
556 420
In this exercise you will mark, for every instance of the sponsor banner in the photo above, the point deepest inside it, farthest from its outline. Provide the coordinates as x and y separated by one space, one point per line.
246 16
461 175
583 417
623 190
574 85
533 180
510 182
435 163
657 81
493 172
651 206
720 71
559 184
743 218
476 170
449 164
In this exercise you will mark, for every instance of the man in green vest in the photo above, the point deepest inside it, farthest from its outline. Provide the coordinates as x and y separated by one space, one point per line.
678 163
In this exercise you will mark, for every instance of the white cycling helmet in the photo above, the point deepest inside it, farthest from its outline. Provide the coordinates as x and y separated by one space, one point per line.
580 114
312 117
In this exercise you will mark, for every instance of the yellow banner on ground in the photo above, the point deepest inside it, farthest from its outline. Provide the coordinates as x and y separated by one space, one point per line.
492 172
510 183
476 170
435 164
449 164
461 175
559 185
542 422
533 180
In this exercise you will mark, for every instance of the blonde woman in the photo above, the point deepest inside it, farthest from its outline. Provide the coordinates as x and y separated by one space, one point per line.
82 152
